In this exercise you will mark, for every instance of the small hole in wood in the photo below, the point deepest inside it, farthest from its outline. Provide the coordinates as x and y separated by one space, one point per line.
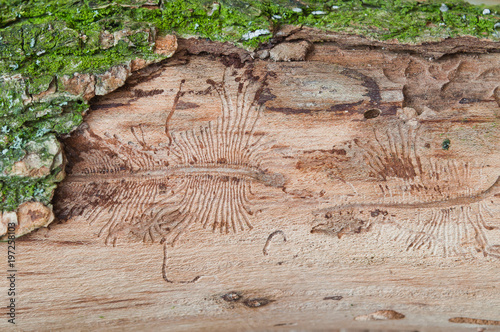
372 113
231 297
257 302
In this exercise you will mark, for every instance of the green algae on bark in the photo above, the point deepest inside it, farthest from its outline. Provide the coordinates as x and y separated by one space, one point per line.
43 44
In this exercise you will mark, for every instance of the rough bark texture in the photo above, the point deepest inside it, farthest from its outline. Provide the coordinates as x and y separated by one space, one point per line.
224 190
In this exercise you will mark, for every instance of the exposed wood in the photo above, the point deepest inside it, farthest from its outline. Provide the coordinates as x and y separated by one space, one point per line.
358 189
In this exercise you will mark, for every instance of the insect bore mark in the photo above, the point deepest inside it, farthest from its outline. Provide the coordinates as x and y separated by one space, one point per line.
269 238
164 269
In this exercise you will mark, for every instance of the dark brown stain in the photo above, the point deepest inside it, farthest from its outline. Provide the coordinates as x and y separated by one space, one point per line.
266 96
341 108
334 298
369 83
213 50
178 95
182 105
139 93
389 109
95 107
205 92
149 73
232 60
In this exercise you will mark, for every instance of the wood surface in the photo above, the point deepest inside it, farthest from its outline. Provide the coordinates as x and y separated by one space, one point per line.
355 190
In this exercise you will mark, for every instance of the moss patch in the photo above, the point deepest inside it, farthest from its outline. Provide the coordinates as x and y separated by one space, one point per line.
41 41
404 21
15 190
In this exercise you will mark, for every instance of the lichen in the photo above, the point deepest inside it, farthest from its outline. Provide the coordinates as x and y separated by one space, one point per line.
43 40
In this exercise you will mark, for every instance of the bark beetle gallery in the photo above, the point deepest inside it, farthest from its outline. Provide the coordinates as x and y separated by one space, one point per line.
200 176
454 221
203 178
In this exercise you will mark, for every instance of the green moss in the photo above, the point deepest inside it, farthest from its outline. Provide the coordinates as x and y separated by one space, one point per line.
405 21
16 190
41 41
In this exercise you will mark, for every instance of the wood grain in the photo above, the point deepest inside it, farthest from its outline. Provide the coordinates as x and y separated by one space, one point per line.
358 189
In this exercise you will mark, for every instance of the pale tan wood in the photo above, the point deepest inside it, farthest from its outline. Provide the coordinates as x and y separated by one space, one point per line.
380 221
